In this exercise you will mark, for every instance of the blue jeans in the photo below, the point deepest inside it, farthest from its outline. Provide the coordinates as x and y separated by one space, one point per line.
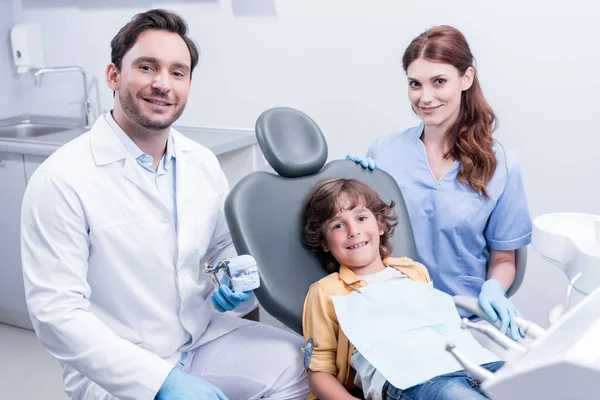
453 386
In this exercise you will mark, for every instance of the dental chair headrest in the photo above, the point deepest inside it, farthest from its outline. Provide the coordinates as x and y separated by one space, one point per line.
291 142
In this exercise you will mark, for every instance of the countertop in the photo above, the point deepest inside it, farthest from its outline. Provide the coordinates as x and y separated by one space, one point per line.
218 140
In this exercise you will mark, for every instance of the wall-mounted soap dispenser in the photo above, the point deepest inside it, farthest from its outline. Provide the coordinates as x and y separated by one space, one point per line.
27 47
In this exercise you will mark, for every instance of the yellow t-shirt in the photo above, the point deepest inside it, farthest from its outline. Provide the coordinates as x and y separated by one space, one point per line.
327 348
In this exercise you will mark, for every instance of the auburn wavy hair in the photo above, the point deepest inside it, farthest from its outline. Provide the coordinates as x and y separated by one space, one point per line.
323 203
469 139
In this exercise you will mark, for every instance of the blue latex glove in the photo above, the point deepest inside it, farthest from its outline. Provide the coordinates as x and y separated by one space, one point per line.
494 302
224 299
181 386
364 162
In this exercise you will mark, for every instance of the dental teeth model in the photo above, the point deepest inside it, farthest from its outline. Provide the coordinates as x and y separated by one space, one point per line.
241 273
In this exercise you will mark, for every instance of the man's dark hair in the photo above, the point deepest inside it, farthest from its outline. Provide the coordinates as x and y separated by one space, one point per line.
154 19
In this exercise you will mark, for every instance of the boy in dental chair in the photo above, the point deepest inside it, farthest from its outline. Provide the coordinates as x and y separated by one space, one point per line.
376 321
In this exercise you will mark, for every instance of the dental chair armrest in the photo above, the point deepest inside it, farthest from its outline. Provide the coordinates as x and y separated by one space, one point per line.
471 304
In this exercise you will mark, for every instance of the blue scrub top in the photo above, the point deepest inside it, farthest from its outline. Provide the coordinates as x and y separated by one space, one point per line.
453 225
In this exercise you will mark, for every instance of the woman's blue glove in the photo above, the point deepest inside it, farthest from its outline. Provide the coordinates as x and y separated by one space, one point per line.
364 162
494 302
181 386
224 299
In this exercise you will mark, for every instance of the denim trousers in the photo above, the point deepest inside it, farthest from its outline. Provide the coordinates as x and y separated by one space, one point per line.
453 386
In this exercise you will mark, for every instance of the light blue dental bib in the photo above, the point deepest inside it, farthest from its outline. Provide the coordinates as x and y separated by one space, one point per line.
402 327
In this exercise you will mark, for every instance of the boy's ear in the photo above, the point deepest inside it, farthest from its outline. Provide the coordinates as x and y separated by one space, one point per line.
324 246
380 225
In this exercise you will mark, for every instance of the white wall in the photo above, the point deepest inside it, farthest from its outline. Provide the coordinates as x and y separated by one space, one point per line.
10 96
339 61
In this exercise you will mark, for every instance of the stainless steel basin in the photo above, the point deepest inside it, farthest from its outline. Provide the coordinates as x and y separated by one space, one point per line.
28 126
28 129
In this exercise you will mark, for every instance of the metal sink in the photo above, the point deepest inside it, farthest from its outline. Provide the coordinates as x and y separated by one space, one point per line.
30 127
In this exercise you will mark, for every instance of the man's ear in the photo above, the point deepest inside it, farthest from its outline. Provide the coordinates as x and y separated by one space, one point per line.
113 77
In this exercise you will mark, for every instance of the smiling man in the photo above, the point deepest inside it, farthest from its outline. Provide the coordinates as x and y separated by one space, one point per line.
115 225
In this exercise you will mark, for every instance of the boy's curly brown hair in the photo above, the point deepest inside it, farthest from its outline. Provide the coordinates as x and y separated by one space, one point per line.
322 204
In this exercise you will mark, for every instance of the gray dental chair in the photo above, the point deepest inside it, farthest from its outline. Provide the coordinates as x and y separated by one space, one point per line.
264 213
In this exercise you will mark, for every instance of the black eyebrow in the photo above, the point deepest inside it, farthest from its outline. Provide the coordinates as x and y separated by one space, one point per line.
181 66
154 60
433 78
438 77
150 60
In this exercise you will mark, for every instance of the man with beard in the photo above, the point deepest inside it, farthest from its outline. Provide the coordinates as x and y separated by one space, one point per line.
115 225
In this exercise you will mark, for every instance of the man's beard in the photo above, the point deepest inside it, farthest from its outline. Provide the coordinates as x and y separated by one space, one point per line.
133 111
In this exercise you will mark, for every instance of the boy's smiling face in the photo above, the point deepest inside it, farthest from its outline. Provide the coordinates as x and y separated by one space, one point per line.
352 236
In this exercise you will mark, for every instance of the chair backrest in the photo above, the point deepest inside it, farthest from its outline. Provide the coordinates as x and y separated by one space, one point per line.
264 210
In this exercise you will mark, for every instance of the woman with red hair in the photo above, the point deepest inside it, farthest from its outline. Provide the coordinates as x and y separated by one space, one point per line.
464 193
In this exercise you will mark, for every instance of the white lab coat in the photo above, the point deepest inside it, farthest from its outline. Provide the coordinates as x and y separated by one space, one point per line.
113 292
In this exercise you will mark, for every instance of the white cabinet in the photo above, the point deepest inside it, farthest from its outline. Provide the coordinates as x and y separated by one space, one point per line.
13 309
15 171
238 163
31 164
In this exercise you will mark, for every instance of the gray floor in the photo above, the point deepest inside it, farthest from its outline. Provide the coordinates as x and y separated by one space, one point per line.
27 371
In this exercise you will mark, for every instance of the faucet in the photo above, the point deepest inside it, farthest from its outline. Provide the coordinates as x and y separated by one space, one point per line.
87 104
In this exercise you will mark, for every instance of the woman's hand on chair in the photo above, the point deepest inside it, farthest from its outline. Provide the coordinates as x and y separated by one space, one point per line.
364 162
494 302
